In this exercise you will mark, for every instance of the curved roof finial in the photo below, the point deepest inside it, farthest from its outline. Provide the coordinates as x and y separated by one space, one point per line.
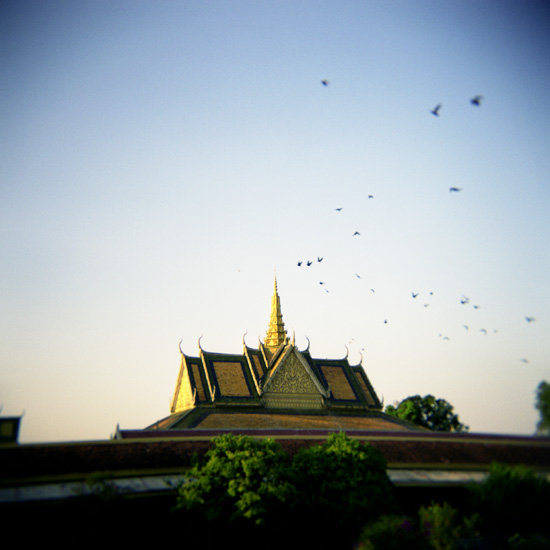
179 345
199 342
347 352
308 344
361 361
244 336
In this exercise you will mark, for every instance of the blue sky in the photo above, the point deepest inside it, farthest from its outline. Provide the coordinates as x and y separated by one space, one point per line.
160 161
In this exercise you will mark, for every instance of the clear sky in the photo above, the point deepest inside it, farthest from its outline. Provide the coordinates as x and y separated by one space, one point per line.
161 160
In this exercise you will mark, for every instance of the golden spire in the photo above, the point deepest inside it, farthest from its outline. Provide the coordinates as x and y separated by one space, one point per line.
276 333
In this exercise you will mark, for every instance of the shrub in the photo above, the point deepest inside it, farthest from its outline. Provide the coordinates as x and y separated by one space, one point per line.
392 532
513 499
441 524
529 542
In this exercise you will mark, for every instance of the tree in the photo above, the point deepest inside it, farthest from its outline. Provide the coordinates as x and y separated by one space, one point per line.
239 478
341 485
244 490
543 405
429 412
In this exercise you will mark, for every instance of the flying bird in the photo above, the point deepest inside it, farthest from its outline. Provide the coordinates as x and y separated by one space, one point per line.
530 319
324 82
455 189
483 330
435 111
464 300
338 209
358 276
299 264
308 263
476 100
356 233
371 196
414 295
321 283
319 259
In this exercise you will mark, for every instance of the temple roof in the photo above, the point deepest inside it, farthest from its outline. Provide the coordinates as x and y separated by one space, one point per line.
275 385
253 378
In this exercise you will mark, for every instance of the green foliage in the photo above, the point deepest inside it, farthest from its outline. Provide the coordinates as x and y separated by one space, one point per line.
513 499
529 542
543 406
392 532
323 496
342 484
429 412
442 525
239 477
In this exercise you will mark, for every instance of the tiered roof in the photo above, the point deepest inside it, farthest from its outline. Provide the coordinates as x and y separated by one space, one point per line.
274 386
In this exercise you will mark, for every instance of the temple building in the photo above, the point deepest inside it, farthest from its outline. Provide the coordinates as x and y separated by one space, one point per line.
276 386
276 391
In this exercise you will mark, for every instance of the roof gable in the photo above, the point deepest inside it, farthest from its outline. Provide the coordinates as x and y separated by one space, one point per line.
191 387
291 382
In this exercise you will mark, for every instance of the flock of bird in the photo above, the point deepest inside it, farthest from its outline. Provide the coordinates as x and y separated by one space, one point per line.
464 300
474 101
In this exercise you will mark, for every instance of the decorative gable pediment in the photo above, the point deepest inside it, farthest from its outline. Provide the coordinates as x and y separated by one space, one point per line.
292 384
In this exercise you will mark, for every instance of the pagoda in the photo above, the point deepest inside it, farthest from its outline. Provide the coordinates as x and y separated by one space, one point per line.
276 386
